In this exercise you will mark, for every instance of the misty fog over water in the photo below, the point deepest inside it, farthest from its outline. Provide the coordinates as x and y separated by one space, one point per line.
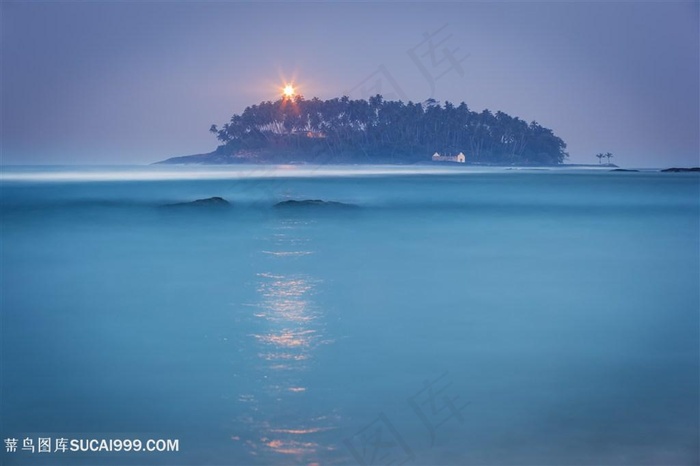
492 316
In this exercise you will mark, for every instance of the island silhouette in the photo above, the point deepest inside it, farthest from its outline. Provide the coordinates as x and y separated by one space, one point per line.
342 130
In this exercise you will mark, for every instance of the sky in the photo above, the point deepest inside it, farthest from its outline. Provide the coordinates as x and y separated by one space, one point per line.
136 82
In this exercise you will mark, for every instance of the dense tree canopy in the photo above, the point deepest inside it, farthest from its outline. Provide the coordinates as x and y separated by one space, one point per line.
378 130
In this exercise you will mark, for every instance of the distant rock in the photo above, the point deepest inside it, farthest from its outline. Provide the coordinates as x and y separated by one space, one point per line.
681 170
210 158
185 159
208 202
291 204
623 170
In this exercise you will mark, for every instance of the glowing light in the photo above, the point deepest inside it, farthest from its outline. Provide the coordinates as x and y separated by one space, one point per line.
289 91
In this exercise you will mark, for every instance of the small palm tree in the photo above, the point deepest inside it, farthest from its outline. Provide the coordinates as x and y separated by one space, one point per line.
600 157
608 155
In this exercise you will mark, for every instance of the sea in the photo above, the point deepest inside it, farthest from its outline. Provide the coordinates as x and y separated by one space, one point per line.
438 316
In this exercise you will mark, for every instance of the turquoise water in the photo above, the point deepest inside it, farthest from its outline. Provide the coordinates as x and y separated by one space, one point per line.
493 317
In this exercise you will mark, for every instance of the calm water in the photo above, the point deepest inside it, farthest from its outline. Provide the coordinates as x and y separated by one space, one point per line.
477 317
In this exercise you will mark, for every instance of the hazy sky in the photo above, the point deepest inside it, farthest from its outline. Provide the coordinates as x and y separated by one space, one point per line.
129 82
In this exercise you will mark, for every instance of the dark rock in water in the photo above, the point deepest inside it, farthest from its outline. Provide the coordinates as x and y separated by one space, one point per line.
623 170
312 203
210 158
681 170
208 202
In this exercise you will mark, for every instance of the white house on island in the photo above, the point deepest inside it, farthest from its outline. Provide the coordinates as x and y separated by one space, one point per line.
459 158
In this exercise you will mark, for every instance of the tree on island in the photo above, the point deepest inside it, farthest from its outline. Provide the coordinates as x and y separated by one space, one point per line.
378 130
602 156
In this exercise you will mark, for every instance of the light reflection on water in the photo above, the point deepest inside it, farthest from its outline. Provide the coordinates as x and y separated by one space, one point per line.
564 306
290 327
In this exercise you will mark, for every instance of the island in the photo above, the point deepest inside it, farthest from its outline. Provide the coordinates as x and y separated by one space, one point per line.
342 130
208 202
682 170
